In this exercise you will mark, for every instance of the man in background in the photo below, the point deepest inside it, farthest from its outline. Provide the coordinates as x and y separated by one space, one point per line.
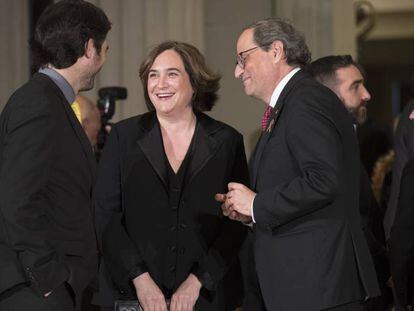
48 251
90 118
344 77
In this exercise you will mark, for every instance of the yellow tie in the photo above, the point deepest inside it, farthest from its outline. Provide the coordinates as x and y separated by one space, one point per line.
77 111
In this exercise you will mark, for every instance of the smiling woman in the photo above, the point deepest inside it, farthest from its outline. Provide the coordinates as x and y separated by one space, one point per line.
163 235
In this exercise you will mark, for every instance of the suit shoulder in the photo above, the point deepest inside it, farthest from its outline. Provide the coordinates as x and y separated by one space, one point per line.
310 94
214 125
131 127
37 93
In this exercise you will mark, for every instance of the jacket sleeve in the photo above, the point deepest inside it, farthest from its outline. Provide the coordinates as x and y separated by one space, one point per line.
211 269
315 145
120 254
401 241
26 161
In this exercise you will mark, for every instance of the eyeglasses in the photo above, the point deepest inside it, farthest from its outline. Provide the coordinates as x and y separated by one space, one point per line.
241 57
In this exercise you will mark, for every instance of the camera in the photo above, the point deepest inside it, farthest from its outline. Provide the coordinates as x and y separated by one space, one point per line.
106 106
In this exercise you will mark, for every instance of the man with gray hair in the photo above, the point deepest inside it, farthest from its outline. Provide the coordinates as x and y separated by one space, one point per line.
310 250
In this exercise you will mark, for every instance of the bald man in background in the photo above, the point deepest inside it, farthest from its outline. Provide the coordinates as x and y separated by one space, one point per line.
90 118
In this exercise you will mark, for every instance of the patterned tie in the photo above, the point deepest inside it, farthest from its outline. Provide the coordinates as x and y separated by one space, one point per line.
266 117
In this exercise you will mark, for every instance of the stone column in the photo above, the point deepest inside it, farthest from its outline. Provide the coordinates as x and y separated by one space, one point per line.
138 25
328 25
14 47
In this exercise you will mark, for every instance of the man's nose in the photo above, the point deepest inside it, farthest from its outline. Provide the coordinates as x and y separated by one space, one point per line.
238 71
366 96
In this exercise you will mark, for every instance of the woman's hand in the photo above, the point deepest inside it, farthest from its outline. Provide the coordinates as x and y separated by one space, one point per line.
149 295
186 295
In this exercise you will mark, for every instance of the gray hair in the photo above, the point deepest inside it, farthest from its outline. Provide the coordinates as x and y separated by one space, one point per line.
266 31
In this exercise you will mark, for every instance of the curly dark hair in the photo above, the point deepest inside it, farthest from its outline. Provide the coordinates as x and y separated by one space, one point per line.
266 31
204 82
63 30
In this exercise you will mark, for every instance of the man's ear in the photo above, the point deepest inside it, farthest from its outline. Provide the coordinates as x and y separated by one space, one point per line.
89 48
277 50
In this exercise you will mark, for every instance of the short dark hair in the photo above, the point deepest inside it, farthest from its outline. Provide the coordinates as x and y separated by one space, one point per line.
62 31
204 82
266 31
324 69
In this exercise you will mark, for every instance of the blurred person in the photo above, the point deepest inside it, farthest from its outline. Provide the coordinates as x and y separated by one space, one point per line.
163 236
401 241
404 151
345 78
310 251
48 252
90 118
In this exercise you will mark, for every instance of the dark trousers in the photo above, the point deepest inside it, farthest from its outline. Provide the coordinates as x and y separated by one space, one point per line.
23 298
353 306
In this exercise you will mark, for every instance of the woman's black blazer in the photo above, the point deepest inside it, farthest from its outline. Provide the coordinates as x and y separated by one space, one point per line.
144 227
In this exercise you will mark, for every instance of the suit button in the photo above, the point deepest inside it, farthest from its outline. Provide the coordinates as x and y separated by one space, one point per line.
173 228
172 269
173 248
183 226
174 207
182 251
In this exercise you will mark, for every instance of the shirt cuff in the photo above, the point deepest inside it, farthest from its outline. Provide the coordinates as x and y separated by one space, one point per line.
251 209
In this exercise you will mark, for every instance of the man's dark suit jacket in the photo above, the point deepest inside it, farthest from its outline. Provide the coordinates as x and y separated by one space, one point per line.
46 176
402 239
144 226
404 151
310 250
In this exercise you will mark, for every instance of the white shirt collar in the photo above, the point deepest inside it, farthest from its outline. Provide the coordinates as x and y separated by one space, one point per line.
281 85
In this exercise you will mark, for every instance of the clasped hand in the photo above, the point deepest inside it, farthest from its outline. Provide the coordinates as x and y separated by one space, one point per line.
237 202
152 299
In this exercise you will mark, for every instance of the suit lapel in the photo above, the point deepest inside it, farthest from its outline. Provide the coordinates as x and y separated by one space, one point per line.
80 134
205 145
150 142
272 125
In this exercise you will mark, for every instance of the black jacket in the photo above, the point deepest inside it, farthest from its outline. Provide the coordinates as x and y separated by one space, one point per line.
46 176
144 229
401 240
310 250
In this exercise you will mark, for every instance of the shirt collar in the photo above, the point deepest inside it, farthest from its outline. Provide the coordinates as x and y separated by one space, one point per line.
61 82
280 86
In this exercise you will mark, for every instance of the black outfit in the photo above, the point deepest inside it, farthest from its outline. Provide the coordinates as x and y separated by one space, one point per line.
404 151
371 218
47 239
401 240
310 250
152 220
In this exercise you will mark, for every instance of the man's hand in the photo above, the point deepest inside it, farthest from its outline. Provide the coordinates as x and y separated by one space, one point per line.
239 199
220 197
185 298
149 295
411 117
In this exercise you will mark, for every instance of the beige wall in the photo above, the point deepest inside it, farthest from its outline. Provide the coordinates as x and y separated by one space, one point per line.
211 25
224 20
14 55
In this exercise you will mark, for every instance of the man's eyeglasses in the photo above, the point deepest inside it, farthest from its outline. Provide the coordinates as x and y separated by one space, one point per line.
241 57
